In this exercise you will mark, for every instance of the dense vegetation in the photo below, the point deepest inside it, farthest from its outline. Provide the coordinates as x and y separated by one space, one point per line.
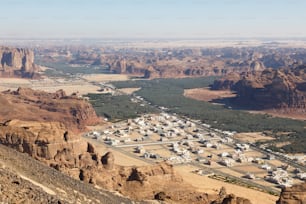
169 93
64 69
118 107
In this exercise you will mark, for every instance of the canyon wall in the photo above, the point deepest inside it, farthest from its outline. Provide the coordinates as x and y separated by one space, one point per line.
17 62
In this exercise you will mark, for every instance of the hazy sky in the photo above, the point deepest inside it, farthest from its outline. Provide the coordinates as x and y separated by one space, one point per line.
152 18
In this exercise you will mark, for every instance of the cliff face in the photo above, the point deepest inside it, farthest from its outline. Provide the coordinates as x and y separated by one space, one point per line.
294 195
41 140
29 105
15 62
270 88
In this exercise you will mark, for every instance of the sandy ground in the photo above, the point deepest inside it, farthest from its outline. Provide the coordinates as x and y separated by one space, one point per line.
209 185
49 85
80 89
250 168
14 81
252 137
204 94
128 90
282 114
106 77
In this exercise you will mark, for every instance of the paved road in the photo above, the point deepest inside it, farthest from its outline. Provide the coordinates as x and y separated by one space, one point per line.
153 143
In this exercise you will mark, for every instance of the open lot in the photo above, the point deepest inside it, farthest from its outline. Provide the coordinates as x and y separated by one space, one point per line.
105 77
205 94
70 86
252 137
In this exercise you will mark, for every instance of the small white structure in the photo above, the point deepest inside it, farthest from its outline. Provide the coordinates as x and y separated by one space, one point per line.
140 150
301 176
249 176
224 154
198 151
227 162
266 167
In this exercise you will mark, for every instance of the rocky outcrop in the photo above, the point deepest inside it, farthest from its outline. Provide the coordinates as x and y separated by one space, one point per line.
227 82
46 141
270 88
17 62
293 195
26 180
29 105
232 199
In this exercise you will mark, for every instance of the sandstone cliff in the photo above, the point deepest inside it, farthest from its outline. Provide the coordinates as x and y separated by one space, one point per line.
29 105
26 180
270 88
16 62
293 195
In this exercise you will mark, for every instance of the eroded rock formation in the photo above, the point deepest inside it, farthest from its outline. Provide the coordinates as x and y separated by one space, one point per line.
29 105
293 195
270 88
17 62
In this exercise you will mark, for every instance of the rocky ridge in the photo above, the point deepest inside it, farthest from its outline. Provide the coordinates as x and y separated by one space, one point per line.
17 62
280 89
29 105
184 62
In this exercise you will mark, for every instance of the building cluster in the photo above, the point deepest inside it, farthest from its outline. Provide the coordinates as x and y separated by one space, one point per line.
280 177
188 142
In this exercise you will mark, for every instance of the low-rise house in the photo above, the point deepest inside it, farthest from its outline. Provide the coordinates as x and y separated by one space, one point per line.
301 176
112 142
140 150
127 140
163 139
227 162
208 144
243 147
216 146
249 176
198 151
224 154
258 161
266 167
